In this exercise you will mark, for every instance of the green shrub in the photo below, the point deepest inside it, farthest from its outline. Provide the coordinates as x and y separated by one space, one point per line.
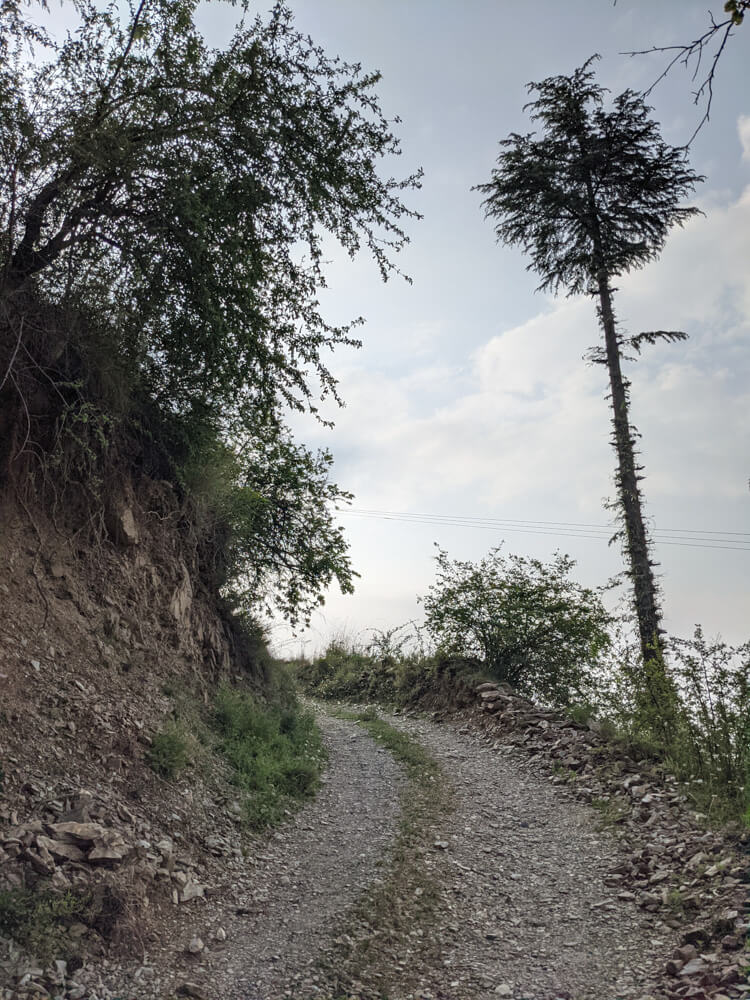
528 622
275 752
168 753
707 744
386 672
37 920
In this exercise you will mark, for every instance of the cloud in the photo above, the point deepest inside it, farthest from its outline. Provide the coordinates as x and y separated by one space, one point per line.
743 129
520 429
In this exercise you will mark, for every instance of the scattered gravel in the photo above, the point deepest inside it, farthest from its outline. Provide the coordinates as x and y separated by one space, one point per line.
527 913
310 872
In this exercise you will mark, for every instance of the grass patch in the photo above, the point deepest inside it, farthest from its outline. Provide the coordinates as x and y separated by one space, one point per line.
408 898
38 920
273 748
275 753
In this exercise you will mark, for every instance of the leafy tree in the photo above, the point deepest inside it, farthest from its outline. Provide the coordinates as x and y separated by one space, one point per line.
530 623
592 197
190 190
182 197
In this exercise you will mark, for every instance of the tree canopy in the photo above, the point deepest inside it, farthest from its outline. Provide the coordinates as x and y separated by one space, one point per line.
597 189
182 196
194 188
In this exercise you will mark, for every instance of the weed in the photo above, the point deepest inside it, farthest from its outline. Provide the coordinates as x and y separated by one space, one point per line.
168 753
38 920
275 753
675 902
612 811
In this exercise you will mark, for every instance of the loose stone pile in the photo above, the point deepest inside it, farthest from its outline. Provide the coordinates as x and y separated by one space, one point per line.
91 848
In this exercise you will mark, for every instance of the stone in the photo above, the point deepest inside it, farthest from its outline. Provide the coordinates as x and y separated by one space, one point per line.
191 890
221 934
730 974
73 832
693 967
196 946
192 990
696 935
503 990
42 865
122 526
486 686
731 942
109 847
725 922
60 849
492 695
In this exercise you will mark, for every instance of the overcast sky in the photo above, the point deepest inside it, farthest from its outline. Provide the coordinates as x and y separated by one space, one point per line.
470 397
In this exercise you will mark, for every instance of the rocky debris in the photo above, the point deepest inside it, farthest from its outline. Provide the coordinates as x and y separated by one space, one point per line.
121 524
691 878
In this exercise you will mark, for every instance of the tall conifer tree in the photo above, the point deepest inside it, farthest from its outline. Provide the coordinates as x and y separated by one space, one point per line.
591 196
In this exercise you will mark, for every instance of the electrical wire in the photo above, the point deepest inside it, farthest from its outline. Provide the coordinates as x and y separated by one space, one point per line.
736 541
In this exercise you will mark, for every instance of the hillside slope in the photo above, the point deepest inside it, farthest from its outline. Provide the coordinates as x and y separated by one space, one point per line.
101 648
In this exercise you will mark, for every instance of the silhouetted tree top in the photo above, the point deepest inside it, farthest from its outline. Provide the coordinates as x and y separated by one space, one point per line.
597 188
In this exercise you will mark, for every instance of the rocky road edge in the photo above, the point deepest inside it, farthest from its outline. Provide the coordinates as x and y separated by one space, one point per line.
696 878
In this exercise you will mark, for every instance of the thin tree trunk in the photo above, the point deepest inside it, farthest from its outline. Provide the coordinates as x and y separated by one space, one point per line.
644 585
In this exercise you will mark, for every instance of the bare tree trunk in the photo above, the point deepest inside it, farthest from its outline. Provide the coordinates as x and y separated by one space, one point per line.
647 608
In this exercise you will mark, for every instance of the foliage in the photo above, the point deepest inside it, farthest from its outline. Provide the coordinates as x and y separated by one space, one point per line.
191 190
267 504
171 202
541 191
169 751
276 754
714 683
38 919
529 623
707 745
392 668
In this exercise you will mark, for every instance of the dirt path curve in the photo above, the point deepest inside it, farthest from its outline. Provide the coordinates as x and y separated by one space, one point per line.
526 911
310 872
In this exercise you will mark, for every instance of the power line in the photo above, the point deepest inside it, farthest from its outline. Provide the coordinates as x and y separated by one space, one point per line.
518 520
535 523
684 537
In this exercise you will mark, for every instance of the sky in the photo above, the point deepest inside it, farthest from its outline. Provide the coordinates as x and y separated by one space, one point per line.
470 398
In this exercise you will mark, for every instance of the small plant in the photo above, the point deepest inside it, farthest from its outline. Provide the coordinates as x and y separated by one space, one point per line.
580 713
275 752
675 903
612 811
38 920
168 753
